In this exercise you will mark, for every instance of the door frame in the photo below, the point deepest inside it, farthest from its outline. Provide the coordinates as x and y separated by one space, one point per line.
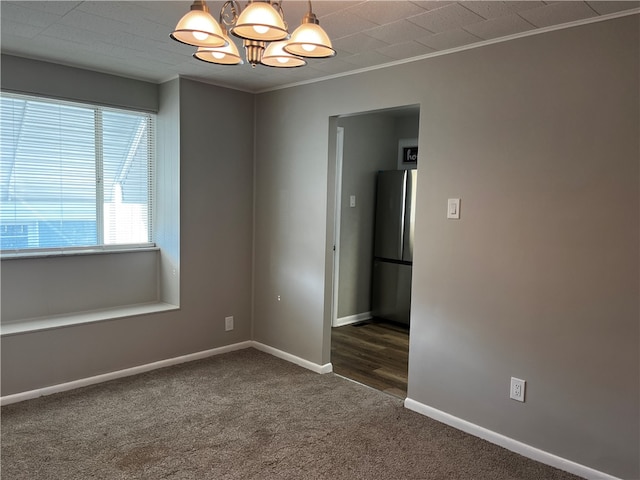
336 227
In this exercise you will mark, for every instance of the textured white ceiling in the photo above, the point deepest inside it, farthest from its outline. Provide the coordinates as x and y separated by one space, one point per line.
131 38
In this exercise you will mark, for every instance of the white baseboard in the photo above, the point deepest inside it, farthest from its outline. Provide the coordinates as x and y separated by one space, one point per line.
348 320
84 382
314 367
508 443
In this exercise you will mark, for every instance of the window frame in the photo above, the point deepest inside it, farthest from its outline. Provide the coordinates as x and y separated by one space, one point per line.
100 246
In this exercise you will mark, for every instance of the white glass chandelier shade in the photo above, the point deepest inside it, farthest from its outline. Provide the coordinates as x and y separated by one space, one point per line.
260 21
310 40
275 56
199 28
228 55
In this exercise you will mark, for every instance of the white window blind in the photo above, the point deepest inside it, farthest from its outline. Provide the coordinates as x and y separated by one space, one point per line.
73 175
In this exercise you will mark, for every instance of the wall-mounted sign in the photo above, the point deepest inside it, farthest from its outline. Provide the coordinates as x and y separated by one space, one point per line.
407 153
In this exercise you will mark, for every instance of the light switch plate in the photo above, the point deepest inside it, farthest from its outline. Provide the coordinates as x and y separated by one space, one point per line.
453 208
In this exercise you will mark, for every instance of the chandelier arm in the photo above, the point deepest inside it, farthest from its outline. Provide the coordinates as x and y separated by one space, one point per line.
310 17
277 5
199 5
225 17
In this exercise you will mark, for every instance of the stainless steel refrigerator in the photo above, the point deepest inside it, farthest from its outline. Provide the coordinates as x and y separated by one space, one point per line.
393 245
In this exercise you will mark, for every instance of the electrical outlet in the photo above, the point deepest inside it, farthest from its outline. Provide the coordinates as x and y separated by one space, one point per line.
228 323
517 389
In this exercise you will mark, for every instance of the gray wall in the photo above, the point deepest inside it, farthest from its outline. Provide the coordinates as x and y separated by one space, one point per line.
54 81
408 125
32 287
539 277
166 211
213 248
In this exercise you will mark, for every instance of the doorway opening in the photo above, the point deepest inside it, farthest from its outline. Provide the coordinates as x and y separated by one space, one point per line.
376 163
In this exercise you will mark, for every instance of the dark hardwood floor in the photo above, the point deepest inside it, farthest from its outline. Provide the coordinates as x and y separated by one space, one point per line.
374 352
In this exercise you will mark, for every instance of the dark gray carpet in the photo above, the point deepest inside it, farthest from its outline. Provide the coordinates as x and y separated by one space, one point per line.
242 415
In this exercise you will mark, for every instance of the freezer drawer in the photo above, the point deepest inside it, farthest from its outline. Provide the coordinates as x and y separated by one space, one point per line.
391 291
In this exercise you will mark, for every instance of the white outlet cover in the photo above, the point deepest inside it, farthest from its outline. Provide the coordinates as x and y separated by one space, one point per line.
517 390
228 323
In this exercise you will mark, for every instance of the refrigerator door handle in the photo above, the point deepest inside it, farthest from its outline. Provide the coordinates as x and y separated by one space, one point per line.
409 216
403 206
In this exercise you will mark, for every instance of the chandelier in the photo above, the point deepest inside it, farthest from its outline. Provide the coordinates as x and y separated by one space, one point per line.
263 30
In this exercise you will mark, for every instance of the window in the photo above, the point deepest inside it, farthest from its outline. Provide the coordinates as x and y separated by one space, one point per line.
73 175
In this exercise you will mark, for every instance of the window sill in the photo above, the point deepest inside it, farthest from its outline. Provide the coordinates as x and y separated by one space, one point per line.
7 255
59 321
